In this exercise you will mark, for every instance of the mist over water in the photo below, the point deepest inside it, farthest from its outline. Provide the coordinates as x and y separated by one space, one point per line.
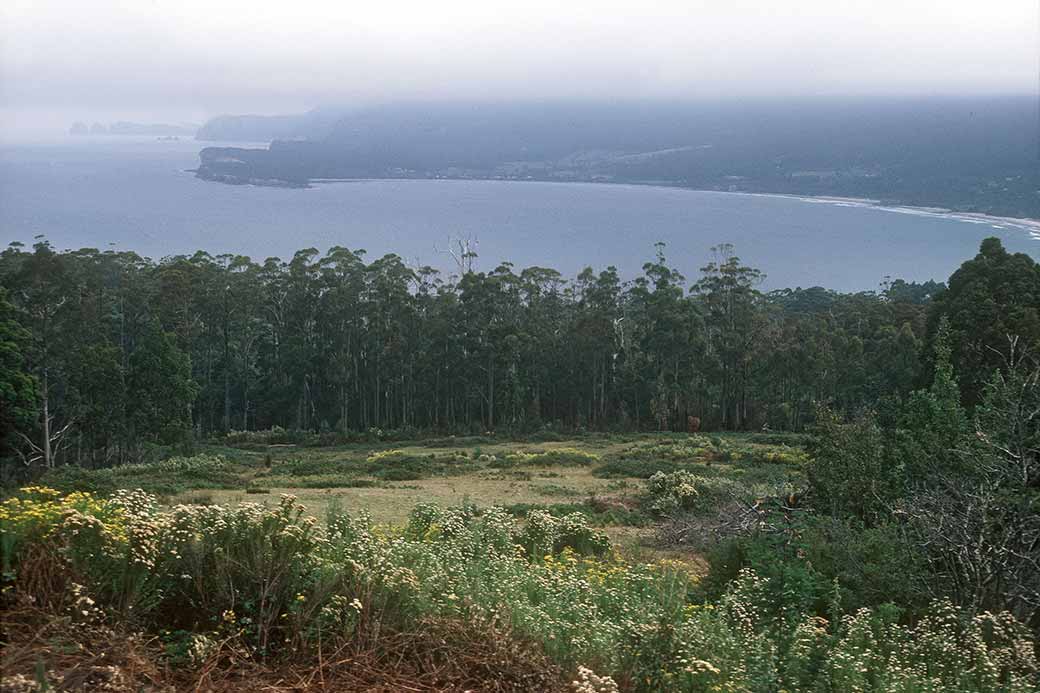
136 194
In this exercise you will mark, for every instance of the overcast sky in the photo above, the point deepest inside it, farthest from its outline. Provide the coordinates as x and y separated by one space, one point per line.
171 60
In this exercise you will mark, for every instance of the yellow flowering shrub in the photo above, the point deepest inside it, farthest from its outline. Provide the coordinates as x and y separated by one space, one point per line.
38 512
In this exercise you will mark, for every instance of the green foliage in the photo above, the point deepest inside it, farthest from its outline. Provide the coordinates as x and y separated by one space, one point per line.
989 298
849 472
964 495
860 469
597 514
160 387
819 564
168 477
555 457
109 373
792 440
735 323
397 465
696 453
644 459
975 516
17 386
544 534
936 430
627 467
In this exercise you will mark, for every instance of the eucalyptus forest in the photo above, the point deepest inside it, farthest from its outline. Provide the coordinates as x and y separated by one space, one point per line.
125 351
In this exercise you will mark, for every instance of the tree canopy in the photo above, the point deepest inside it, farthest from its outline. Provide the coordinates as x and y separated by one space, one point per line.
122 351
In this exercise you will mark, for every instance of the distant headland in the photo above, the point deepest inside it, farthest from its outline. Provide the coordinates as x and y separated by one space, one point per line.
128 128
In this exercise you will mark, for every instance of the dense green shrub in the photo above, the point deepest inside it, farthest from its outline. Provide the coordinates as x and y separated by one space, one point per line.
541 533
680 450
819 562
544 534
850 472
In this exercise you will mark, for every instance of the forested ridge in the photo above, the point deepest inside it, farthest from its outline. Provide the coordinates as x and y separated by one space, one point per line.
106 352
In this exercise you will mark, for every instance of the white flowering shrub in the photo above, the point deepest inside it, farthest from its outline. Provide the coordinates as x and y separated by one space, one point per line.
589 682
276 435
542 534
683 490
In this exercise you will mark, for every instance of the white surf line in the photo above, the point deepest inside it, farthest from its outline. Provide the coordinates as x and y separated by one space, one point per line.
1030 226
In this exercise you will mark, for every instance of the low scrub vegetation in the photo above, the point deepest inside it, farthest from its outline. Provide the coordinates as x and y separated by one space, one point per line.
597 512
696 452
271 583
167 477
556 457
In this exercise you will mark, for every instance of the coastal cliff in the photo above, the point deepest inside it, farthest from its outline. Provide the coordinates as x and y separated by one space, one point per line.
242 166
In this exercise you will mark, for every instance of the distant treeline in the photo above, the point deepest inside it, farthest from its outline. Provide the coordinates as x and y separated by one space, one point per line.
106 352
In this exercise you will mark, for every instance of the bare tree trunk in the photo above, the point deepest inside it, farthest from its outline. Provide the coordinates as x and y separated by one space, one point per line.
227 400
491 394
375 402
48 460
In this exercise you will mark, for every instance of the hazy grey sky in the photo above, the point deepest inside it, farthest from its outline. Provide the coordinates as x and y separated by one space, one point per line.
190 59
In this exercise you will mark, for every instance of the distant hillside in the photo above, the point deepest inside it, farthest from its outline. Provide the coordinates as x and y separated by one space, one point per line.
128 128
258 128
969 155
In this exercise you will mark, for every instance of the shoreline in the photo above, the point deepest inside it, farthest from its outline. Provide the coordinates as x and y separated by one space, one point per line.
1029 225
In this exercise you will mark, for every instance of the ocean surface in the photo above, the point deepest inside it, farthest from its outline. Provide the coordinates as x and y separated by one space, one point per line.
136 194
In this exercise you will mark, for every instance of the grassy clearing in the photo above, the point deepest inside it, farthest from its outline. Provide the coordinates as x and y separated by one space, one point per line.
602 476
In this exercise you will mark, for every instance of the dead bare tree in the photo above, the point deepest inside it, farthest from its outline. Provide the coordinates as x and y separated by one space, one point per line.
49 448
463 250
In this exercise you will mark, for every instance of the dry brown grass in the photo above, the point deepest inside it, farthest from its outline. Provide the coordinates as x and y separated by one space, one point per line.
69 656
436 656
